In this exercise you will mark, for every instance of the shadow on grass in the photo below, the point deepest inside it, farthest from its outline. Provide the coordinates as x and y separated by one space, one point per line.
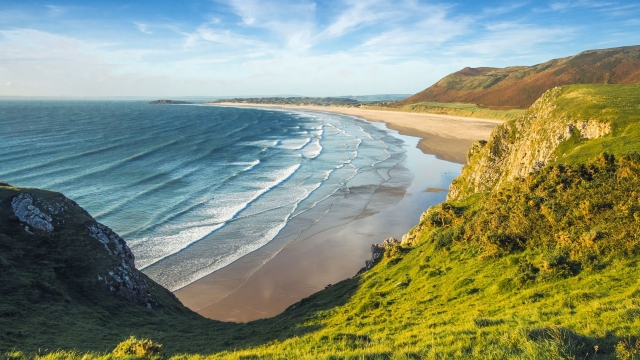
50 299
54 325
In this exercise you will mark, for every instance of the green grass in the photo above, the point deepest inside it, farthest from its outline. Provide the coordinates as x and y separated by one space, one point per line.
618 105
457 109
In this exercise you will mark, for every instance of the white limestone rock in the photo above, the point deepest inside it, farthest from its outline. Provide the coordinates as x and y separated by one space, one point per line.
23 208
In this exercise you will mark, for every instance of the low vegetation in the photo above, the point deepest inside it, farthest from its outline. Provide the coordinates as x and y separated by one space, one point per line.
455 109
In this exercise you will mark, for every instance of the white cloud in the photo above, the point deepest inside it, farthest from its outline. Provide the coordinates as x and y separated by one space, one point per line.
513 38
144 28
56 10
567 5
292 21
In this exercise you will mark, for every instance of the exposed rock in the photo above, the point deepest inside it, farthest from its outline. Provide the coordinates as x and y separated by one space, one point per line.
377 250
24 209
519 148
122 279
593 129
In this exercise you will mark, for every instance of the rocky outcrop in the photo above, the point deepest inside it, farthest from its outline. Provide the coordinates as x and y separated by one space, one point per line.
591 129
377 250
36 212
41 215
121 279
521 147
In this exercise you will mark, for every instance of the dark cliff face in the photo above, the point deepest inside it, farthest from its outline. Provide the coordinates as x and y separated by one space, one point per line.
53 250
521 86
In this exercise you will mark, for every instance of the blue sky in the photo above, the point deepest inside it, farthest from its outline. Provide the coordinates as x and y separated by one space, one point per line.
312 48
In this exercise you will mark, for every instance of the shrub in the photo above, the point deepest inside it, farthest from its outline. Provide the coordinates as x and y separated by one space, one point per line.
628 350
526 273
143 348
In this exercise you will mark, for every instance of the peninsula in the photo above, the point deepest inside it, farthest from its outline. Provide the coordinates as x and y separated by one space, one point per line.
169 102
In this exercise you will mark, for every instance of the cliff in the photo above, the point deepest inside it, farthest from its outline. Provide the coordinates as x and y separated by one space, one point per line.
520 86
585 119
66 278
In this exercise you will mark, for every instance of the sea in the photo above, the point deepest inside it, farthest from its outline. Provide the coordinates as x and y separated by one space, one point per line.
193 188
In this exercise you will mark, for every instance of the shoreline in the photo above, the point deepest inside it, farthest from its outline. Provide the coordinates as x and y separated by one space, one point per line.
333 250
445 136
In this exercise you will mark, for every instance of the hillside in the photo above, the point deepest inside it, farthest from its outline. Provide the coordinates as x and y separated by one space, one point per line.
534 256
517 87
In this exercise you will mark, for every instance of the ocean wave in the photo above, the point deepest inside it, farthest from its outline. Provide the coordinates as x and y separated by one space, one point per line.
62 159
294 144
204 269
217 212
312 150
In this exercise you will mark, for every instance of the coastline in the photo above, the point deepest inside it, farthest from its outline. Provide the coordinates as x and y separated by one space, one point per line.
445 136
258 286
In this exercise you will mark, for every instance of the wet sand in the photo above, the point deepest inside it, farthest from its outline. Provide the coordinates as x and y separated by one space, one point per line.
260 285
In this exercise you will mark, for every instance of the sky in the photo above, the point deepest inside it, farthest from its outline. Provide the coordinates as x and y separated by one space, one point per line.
310 48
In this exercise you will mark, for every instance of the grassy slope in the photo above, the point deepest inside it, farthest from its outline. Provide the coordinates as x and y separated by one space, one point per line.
520 86
618 105
454 109
545 268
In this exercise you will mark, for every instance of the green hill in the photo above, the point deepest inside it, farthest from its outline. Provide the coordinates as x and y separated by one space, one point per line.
534 256
517 87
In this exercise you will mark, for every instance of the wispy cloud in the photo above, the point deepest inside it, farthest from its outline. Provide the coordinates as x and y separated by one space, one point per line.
511 38
501 10
568 5
56 10
144 28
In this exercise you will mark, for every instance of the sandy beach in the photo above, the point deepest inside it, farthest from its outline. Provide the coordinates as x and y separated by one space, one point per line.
447 137
259 285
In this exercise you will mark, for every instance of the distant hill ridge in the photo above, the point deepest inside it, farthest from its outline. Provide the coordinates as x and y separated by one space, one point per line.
520 86
170 102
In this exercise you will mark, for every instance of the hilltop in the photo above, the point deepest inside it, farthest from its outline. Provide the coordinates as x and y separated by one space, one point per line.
535 255
517 87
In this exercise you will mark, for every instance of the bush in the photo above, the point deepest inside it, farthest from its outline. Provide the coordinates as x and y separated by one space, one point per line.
628 350
525 274
143 348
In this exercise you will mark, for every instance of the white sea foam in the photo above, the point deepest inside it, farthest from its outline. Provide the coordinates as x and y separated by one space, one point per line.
149 250
294 144
312 150
215 214
209 267
261 143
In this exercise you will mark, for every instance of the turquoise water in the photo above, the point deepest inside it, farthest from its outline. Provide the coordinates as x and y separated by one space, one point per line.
193 188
